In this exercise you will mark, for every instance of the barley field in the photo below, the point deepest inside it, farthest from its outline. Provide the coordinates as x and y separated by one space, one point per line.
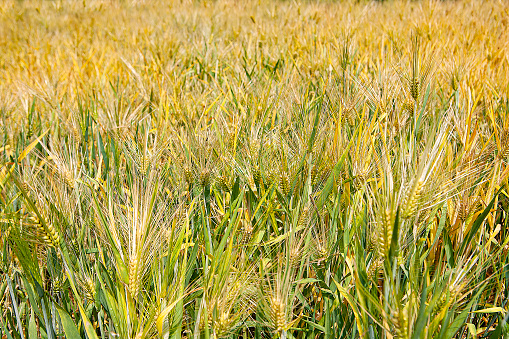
254 169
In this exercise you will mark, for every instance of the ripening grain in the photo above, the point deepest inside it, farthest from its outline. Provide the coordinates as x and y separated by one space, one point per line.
254 169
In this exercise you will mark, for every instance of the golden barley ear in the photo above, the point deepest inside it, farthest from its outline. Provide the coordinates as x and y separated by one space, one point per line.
134 275
278 314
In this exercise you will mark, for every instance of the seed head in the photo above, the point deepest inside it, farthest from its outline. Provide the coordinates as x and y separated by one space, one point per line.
314 174
247 232
222 325
383 232
411 197
350 116
374 268
277 314
188 175
400 321
223 182
48 234
205 177
284 183
89 289
415 87
25 186
257 176
134 276
409 107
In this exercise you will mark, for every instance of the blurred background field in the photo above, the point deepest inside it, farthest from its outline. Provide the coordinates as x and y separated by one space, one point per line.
254 169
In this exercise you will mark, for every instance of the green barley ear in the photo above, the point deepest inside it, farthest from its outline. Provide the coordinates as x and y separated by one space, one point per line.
420 71
188 175
441 302
314 174
205 175
284 183
303 218
76 134
400 322
281 318
46 231
247 230
68 178
455 80
383 232
143 163
88 286
374 268
43 228
322 252
26 187
257 175
57 285
222 325
271 176
295 256
415 84
223 182
411 197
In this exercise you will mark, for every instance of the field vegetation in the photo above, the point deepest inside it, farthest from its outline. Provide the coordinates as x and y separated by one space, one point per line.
254 169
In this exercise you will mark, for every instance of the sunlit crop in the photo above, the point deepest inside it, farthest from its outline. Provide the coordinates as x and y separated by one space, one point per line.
254 169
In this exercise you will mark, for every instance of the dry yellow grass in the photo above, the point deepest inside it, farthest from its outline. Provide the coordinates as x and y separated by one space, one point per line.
189 54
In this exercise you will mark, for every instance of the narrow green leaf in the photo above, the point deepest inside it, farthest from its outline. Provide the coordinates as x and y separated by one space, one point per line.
423 314
491 310
453 328
32 329
3 328
70 329
306 281
395 237
478 222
